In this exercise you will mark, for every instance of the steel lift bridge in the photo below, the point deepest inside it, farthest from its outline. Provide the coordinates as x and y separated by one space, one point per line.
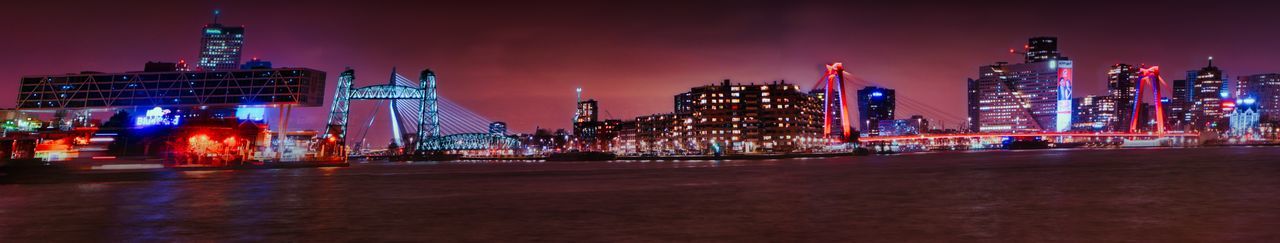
424 120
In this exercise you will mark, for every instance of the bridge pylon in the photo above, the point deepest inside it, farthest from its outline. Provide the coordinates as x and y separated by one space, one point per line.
1150 79
835 111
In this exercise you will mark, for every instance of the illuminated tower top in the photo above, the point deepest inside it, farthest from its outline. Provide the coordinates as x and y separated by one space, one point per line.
1042 48
220 46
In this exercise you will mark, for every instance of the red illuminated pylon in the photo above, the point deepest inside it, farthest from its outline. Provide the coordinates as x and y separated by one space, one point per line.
1150 78
833 81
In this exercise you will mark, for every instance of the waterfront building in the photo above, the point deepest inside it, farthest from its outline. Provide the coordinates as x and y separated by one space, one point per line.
1026 97
1179 105
1264 89
730 118
1207 96
875 104
1245 121
901 127
1095 113
1122 86
220 46
96 90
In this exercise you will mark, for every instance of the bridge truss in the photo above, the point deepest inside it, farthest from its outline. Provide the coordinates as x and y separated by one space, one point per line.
415 107
428 130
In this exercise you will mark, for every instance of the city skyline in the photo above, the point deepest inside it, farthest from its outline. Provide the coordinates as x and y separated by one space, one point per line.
548 59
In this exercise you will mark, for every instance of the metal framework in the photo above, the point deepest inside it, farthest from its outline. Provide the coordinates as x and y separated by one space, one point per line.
1150 78
428 128
478 141
833 81
292 86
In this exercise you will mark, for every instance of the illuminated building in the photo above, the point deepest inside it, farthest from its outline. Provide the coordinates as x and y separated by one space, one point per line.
973 109
256 63
498 128
1206 97
1095 113
220 46
586 124
1121 87
733 118
875 104
1265 90
294 86
1179 105
1026 97
901 127
1245 121
1041 49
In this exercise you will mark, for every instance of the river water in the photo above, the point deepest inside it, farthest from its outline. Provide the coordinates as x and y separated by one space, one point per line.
1150 195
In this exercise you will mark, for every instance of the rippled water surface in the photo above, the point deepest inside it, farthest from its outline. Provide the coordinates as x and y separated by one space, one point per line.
1150 195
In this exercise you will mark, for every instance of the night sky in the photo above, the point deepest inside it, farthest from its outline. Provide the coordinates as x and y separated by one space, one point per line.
519 62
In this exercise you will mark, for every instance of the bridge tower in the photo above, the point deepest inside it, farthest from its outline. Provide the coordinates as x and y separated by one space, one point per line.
429 128
395 120
835 111
1150 79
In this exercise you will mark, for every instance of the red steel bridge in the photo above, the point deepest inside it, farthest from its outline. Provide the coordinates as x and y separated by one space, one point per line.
836 123
936 142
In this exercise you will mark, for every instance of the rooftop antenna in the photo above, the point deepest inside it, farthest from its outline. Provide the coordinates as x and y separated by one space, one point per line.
1210 61
215 15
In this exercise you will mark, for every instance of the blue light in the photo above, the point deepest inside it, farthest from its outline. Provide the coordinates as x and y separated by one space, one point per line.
250 113
1224 94
1248 101
877 94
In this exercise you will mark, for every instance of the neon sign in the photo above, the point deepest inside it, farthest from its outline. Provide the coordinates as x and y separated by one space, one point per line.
157 116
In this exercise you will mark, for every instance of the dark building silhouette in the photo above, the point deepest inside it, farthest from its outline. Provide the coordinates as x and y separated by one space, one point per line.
875 104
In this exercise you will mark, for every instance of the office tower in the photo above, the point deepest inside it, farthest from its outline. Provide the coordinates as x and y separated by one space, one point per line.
875 104
1263 91
1122 86
1207 94
1044 48
220 46
1025 97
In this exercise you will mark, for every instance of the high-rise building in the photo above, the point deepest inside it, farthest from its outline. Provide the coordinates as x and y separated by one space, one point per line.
587 122
875 104
1044 48
1206 94
587 110
220 46
1122 86
1031 96
974 110
1179 104
1263 90
1094 113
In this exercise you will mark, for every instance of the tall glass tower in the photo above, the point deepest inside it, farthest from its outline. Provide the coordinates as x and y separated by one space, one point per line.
220 46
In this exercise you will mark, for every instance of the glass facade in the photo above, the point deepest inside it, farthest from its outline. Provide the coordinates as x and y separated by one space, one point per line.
298 86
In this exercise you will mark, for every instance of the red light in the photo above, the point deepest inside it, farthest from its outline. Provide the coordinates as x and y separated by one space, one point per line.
332 139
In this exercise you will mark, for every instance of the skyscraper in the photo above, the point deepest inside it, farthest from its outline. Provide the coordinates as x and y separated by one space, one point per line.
875 104
1206 94
1044 48
1179 105
1121 86
220 46
1031 96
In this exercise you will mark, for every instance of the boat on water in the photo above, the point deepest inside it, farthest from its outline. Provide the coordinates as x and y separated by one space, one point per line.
582 156
1026 144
